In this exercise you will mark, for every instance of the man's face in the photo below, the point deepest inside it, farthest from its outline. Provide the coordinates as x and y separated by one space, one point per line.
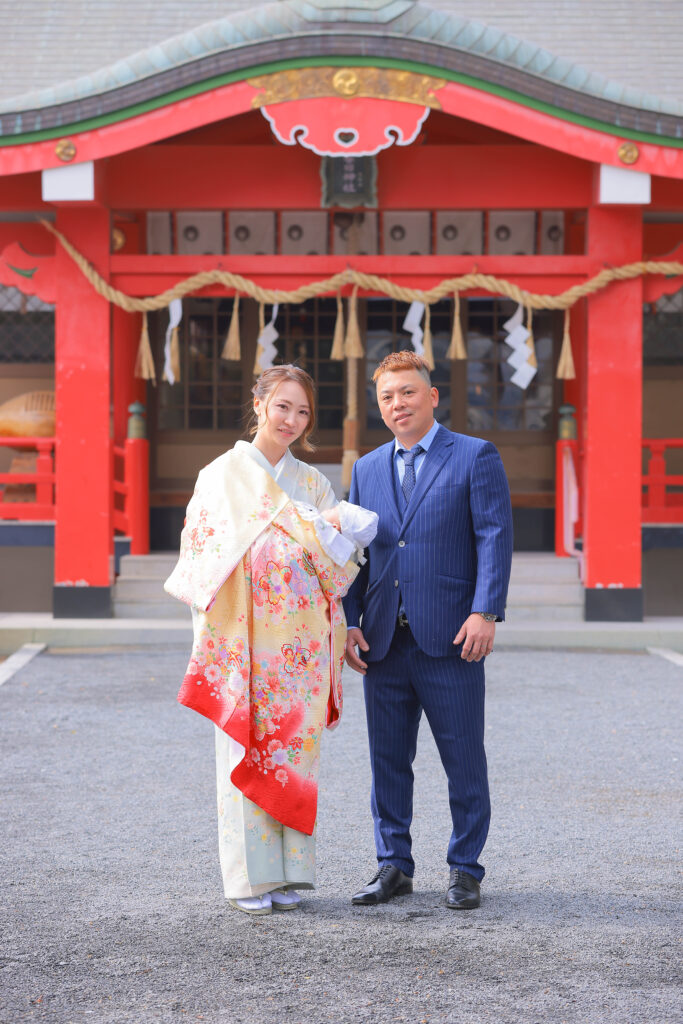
406 403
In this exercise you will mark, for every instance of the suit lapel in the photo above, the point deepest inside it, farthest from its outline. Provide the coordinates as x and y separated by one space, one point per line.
385 479
439 450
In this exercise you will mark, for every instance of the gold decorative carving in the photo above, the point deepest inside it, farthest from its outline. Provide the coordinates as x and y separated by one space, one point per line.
65 150
378 83
346 81
118 239
628 152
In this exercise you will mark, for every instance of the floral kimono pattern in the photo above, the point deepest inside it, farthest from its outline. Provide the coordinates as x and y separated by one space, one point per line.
266 665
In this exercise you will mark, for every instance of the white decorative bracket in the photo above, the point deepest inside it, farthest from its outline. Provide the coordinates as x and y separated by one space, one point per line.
75 183
620 186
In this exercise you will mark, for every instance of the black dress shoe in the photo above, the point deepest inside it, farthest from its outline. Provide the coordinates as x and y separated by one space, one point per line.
387 883
463 891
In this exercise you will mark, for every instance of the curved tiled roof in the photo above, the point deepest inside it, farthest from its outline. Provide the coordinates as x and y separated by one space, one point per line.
297 30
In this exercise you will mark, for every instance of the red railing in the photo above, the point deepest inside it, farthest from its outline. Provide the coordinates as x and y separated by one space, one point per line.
130 482
567 497
662 491
42 478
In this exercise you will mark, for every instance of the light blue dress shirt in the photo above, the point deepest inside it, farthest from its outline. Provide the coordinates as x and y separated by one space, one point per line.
425 442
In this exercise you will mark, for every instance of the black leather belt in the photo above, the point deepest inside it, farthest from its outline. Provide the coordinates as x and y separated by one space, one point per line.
403 619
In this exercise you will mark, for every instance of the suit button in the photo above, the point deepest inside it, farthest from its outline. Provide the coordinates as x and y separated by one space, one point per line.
401 543
395 583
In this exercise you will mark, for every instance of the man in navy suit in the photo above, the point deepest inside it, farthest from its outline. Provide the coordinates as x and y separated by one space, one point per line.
422 615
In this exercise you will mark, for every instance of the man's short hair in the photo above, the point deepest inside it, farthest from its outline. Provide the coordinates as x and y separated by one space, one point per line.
403 360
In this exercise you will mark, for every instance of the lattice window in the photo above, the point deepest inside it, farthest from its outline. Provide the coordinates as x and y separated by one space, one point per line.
493 401
478 397
663 331
214 394
385 334
27 328
210 393
306 335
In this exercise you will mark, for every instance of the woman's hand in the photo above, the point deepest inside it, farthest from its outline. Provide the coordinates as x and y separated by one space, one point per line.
332 516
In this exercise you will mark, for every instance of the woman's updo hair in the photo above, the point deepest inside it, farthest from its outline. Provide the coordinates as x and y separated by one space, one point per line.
267 384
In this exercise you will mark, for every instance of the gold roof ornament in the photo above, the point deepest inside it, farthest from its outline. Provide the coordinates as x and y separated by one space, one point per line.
65 150
628 152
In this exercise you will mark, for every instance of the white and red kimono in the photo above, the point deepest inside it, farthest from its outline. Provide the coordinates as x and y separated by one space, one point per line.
265 574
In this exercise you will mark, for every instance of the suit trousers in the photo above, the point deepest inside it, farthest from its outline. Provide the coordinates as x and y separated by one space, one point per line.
451 692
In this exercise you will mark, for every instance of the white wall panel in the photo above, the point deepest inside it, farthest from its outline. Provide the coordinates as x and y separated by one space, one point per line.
406 233
159 235
303 233
199 232
459 233
512 233
354 234
251 233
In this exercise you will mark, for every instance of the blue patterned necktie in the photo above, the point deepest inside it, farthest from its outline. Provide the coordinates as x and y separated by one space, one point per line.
408 483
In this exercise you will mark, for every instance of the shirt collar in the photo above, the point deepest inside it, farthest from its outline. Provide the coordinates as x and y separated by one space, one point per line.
424 441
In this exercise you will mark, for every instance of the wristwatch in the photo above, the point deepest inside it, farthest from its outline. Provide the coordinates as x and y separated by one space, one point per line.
487 616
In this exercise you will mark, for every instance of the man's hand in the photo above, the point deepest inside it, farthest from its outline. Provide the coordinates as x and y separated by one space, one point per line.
477 635
356 639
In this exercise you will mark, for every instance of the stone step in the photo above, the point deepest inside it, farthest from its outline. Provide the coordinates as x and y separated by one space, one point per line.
141 588
525 565
517 613
157 565
181 612
544 567
542 593
541 586
153 610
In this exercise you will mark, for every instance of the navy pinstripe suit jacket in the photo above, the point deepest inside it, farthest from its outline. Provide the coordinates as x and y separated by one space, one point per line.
447 553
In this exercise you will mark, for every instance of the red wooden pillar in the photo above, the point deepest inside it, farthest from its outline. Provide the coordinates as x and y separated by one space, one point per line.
126 387
613 425
83 529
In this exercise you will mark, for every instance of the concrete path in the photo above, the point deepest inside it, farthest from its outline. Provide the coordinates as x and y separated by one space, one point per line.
112 910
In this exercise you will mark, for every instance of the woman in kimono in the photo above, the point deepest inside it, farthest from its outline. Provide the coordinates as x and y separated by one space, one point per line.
265 556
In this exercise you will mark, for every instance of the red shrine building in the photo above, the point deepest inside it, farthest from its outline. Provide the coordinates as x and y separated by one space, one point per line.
286 144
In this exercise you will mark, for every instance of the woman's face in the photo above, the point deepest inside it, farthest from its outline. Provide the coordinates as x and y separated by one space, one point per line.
283 415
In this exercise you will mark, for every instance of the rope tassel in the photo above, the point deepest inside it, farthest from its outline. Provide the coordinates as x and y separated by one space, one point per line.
175 353
456 349
232 349
565 365
530 340
427 340
353 347
338 340
144 363
259 348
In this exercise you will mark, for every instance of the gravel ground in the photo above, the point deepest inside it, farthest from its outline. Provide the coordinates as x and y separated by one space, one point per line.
113 912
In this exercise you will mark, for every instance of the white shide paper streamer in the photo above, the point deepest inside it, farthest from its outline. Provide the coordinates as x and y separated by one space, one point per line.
267 339
175 315
517 335
412 325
